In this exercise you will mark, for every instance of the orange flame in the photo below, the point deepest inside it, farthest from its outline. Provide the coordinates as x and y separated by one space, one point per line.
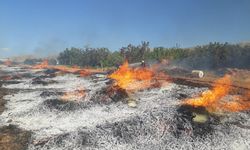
133 79
42 65
74 69
74 95
66 69
84 73
215 100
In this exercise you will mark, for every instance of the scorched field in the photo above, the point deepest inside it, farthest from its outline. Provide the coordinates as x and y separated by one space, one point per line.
58 107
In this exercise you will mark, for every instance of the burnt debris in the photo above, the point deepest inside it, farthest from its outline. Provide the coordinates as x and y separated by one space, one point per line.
64 105
46 94
194 121
40 80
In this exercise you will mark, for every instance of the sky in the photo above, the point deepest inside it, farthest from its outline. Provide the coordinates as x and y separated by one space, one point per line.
44 27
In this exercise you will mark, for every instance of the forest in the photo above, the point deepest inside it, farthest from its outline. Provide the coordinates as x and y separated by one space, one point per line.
211 56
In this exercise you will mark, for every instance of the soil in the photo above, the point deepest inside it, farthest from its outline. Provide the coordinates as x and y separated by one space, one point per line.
13 138
3 92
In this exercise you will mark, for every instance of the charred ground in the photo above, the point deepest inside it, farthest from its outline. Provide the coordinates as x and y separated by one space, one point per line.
36 116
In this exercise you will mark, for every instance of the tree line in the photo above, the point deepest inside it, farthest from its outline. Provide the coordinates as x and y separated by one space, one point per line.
211 56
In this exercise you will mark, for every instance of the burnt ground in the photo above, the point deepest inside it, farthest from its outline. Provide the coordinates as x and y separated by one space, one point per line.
3 92
11 136
103 120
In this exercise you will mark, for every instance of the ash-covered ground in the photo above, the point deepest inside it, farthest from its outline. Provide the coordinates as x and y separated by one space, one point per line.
96 121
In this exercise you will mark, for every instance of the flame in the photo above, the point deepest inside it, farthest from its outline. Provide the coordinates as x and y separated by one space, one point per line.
74 69
84 73
216 100
66 69
74 95
133 79
42 65
8 63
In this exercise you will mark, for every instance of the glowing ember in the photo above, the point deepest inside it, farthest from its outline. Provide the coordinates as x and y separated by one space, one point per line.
42 65
215 100
133 79
76 70
74 95
66 69
84 73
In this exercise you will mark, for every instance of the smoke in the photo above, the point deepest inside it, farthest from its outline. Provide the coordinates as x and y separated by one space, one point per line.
49 48
231 56
204 62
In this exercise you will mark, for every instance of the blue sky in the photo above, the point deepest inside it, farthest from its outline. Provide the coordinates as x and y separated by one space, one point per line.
49 26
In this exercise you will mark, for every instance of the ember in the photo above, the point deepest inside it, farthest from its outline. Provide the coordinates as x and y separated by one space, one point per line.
65 69
42 65
74 95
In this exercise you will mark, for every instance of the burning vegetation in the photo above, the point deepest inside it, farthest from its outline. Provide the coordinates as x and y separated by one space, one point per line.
42 65
61 103
134 79
67 69
217 99
65 84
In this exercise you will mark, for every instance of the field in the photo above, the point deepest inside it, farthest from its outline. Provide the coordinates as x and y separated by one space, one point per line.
53 108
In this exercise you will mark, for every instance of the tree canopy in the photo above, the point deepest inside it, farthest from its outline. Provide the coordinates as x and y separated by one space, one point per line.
212 55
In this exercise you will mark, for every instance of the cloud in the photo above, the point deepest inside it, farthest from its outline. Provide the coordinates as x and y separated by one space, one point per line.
6 49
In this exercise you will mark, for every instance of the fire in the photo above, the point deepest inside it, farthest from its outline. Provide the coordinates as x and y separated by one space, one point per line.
133 79
84 73
216 100
76 70
66 69
74 95
42 65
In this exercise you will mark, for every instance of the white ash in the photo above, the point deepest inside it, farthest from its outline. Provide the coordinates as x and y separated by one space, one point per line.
115 126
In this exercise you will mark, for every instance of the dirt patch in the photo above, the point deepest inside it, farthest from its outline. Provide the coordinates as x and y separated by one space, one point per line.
13 138
65 105
3 92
